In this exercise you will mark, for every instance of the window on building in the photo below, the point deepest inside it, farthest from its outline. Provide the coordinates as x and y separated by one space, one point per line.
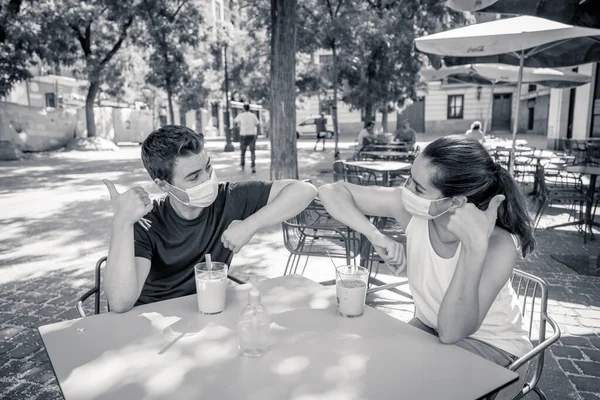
456 106
532 88
530 118
50 100
326 59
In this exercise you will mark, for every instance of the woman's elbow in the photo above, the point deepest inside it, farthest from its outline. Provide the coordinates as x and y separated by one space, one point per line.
327 189
450 338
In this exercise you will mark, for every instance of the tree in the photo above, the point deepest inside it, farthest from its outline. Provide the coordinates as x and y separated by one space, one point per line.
19 24
381 67
330 23
284 157
93 32
172 28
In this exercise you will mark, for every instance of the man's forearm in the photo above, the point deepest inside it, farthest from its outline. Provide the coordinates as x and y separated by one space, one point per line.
459 312
120 278
292 199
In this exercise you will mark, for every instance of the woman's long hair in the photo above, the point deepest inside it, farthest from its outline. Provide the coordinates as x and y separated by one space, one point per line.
463 167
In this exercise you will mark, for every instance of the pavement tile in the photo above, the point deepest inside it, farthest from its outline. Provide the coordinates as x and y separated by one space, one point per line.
567 352
589 396
591 354
568 366
586 384
590 322
576 341
24 350
589 368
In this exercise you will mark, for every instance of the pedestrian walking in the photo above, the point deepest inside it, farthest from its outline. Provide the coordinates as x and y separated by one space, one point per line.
247 123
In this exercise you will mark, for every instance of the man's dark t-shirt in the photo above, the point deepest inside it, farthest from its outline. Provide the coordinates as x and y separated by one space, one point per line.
174 245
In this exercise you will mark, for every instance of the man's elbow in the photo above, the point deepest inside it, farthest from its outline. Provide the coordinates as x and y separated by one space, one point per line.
120 304
309 191
452 336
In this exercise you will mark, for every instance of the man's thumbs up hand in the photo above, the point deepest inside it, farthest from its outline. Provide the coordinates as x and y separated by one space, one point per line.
129 206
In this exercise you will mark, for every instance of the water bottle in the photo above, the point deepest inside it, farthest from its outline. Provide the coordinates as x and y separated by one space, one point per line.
254 325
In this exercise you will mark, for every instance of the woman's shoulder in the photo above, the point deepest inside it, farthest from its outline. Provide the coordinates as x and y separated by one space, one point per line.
504 240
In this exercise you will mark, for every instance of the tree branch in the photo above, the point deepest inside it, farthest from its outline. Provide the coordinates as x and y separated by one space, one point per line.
82 40
178 9
117 45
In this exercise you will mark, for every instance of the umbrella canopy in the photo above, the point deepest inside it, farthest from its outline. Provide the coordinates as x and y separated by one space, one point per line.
486 74
545 44
572 12
526 41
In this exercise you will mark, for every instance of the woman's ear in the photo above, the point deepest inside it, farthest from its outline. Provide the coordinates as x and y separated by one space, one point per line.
458 201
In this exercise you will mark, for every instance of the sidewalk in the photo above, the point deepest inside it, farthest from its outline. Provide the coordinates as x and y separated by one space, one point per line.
55 218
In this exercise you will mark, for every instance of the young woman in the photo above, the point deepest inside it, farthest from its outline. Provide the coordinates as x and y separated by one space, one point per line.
465 222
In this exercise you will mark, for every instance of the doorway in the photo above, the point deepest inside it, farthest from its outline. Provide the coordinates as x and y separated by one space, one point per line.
501 111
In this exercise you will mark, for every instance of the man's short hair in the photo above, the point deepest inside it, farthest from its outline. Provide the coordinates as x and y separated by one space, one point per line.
370 124
162 147
247 107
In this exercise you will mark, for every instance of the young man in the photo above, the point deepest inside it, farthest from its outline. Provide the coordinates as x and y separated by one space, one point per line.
152 258
321 126
406 134
247 122
366 136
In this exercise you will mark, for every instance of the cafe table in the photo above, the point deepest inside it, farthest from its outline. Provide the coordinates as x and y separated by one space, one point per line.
387 155
583 263
382 166
168 350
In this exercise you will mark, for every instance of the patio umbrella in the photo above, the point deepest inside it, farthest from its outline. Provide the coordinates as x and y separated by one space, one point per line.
523 41
497 74
573 12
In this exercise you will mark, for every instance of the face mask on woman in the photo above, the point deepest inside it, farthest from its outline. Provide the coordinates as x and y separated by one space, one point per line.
202 195
421 207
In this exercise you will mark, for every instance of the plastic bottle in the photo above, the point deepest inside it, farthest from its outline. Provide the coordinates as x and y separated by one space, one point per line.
254 325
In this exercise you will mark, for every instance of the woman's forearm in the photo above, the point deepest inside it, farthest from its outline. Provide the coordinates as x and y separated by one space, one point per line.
338 202
459 314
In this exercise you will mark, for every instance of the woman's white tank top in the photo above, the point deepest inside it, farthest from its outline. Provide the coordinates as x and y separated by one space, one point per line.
429 277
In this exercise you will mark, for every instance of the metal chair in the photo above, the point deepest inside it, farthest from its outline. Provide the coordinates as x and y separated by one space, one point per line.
314 233
360 176
533 295
96 290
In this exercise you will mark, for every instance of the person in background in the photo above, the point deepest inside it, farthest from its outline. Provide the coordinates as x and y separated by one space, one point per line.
406 134
466 222
475 132
321 127
155 244
366 136
247 123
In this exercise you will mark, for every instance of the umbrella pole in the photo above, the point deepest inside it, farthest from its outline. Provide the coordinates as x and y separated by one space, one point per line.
511 158
488 117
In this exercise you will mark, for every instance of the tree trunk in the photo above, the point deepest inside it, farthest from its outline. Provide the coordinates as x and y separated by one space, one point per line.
384 118
171 112
89 108
182 121
369 112
284 157
199 127
334 115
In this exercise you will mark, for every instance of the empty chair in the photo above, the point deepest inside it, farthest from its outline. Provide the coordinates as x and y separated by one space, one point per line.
533 297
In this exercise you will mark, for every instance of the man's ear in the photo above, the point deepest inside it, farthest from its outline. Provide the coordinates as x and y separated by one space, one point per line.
162 185
458 201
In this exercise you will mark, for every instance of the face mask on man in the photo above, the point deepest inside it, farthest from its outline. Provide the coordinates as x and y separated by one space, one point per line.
420 207
202 195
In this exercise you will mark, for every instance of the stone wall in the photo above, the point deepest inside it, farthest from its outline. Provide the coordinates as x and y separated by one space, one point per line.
36 129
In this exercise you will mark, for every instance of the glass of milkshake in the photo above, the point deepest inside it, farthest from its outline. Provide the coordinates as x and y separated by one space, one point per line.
211 287
351 289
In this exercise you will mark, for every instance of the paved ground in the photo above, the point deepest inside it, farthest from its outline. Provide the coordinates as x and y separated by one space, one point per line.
55 216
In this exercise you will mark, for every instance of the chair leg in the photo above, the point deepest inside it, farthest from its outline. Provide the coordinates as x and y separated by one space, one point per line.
288 266
539 392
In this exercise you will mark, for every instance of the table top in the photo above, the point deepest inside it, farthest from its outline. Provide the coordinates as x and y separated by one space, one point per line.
390 146
169 350
381 166
389 153
583 169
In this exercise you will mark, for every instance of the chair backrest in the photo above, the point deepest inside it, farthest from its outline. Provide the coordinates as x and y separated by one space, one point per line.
338 170
95 291
532 293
